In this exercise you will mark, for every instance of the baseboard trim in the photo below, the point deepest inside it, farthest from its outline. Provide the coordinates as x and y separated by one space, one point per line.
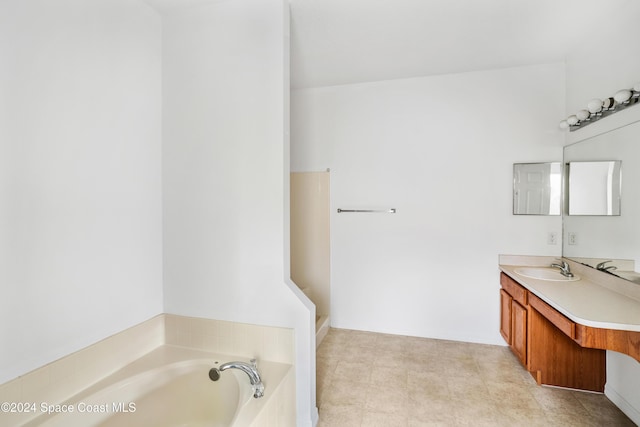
620 402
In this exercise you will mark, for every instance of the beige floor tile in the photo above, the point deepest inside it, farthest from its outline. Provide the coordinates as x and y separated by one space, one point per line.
525 416
367 379
380 419
397 343
419 362
433 410
506 372
515 394
422 346
476 406
413 422
457 367
345 393
363 340
326 367
329 350
389 400
618 419
426 363
386 358
389 376
602 410
358 354
556 400
339 416
353 371
561 419
455 348
431 384
321 397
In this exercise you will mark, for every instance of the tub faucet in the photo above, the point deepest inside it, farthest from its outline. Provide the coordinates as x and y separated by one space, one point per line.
251 369
564 268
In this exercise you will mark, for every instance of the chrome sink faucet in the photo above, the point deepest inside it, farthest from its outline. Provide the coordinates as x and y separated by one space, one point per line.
564 268
251 369
601 266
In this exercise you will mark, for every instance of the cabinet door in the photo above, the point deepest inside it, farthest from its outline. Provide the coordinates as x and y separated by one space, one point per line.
519 331
505 315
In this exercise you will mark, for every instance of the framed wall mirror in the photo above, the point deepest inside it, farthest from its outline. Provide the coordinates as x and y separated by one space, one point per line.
594 188
537 188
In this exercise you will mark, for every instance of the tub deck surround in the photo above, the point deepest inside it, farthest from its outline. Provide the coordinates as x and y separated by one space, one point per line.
605 309
273 375
162 340
69 375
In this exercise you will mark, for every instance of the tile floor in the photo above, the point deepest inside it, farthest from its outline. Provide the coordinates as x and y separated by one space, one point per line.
368 379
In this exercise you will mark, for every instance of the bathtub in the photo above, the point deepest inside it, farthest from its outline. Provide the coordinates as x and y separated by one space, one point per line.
175 393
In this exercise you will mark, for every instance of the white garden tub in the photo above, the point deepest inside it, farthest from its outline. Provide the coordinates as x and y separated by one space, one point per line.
173 394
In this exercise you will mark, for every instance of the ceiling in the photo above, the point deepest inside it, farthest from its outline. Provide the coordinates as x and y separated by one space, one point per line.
337 42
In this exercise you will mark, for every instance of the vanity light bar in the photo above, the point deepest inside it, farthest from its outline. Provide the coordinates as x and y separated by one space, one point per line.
598 108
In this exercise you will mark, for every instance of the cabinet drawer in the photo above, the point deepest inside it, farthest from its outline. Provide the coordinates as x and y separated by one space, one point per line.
516 291
553 316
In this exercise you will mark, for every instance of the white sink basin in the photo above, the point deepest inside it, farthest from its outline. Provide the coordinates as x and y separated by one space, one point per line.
545 273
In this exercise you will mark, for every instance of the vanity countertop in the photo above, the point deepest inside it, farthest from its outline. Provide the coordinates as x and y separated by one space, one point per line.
584 301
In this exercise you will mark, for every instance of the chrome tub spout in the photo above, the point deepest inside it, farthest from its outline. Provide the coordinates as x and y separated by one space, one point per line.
251 369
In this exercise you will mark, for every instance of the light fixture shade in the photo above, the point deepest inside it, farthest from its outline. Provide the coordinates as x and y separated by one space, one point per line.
572 120
595 105
582 115
622 96
563 124
608 103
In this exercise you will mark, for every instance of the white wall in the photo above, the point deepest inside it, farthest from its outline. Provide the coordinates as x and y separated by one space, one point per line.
441 151
80 189
623 377
603 66
225 173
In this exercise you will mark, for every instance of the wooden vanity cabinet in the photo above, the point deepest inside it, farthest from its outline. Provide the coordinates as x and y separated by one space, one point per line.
556 359
519 344
513 316
505 315
546 342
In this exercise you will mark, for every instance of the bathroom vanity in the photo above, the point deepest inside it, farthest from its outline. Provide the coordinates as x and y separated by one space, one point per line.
560 329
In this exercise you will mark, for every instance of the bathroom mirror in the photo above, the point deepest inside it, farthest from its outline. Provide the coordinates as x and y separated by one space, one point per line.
594 188
593 238
537 188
